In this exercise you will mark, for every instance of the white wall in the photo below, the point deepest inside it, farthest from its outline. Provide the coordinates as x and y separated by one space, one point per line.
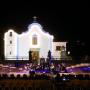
44 43
57 54
10 47
22 43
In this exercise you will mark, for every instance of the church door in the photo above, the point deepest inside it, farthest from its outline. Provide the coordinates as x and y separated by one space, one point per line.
35 55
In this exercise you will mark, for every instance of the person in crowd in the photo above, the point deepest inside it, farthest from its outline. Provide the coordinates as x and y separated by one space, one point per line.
64 68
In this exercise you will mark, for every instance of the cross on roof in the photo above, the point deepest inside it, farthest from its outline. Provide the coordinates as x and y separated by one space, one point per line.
34 18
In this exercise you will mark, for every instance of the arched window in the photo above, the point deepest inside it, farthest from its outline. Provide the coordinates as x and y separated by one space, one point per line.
10 34
10 42
34 39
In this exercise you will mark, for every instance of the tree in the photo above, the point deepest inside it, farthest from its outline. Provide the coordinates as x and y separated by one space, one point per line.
30 55
49 55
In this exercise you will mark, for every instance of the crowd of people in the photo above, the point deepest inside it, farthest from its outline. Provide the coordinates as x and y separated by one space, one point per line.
46 67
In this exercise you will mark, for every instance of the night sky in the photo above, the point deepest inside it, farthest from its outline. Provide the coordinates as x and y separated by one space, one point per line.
67 21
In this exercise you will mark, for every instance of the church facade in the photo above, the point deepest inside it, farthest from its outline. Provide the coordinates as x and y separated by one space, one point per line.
35 39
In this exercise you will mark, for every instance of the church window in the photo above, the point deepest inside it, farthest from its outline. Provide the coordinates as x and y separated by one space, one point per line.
58 48
10 42
34 40
10 34
10 52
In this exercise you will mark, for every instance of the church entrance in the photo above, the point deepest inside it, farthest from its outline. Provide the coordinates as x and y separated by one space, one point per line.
35 54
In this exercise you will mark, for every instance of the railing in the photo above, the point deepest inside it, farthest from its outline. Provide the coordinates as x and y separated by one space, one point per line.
57 60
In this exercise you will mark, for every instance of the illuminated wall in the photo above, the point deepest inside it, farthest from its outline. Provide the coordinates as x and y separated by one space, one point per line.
59 49
10 45
22 43
17 46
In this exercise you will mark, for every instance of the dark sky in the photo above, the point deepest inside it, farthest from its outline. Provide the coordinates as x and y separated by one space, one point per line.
67 21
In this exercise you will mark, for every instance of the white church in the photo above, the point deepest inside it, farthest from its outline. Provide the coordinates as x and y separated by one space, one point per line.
35 39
